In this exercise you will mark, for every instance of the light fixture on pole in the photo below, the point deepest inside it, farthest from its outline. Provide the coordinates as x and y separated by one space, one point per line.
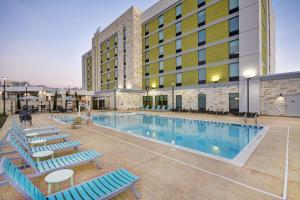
115 98
26 85
173 96
4 91
248 77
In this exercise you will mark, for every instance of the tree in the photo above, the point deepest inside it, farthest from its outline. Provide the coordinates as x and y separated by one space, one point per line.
55 101
18 102
66 102
77 101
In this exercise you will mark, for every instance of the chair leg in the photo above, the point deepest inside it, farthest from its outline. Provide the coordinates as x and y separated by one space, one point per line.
98 164
136 193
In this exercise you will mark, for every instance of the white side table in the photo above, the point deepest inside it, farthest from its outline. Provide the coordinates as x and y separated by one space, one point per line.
37 142
42 154
58 177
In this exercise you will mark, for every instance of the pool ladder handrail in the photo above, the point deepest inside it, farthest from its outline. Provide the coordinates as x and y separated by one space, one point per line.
254 118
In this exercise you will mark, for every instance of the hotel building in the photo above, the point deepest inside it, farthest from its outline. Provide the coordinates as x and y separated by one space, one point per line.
188 54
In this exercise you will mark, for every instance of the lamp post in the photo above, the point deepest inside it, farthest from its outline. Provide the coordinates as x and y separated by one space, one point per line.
147 89
173 96
248 77
26 95
115 98
4 90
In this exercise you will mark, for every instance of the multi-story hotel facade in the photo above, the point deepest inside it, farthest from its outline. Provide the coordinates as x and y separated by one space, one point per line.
206 55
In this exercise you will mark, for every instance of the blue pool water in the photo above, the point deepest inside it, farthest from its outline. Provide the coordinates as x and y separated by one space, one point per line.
214 138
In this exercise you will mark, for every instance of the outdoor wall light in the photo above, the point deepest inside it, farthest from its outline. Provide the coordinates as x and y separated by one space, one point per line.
215 78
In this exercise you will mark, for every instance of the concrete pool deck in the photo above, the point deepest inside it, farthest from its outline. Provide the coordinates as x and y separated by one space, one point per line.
170 173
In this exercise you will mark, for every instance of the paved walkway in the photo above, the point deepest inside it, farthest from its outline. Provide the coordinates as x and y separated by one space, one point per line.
169 173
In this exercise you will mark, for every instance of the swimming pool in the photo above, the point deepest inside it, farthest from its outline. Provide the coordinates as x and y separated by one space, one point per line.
223 141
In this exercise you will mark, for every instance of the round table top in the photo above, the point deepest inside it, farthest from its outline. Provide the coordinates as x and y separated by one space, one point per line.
41 154
31 134
59 176
37 141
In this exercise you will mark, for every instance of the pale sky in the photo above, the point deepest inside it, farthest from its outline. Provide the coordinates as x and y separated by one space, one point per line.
42 41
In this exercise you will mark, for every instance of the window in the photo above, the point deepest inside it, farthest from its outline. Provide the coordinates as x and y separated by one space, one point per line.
116 51
146 43
116 63
107 55
178 28
124 46
234 26
116 39
161 66
178 11
161 36
201 18
147 83
108 76
201 37
234 102
234 49
234 72
233 6
147 70
146 29
201 3
108 67
161 100
161 82
201 57
160 21
148 101
107 43
124 32
116 74
161 51
202 76
178 62
147 56
178 45
124 59
178 79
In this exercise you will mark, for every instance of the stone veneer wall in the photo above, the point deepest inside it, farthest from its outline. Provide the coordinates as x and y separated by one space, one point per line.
131 20
271 102
217 98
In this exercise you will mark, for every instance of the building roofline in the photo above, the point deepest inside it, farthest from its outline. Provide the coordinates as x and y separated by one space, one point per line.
278 76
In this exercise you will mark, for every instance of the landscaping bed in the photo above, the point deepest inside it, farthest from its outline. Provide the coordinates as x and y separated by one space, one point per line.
2 119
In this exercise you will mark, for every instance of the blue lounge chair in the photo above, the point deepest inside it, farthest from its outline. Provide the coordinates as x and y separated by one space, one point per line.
146 108
158 108
37 129
51 147
163 108
47 137
102 187
62 162
40 132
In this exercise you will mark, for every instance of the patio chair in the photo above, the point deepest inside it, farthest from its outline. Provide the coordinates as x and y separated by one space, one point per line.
102 187
163 108
50 147
62 162
41 131
158 108
147 107
47 137
153 108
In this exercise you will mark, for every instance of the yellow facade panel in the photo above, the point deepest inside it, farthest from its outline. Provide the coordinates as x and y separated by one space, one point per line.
190 41
153 82
169 79
153 69
190 23
169 48
153 40
190 78
153 54
217 74
217 53
217 32
169 32
217 11
169 16
153 25
188 6
169 64
190 60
